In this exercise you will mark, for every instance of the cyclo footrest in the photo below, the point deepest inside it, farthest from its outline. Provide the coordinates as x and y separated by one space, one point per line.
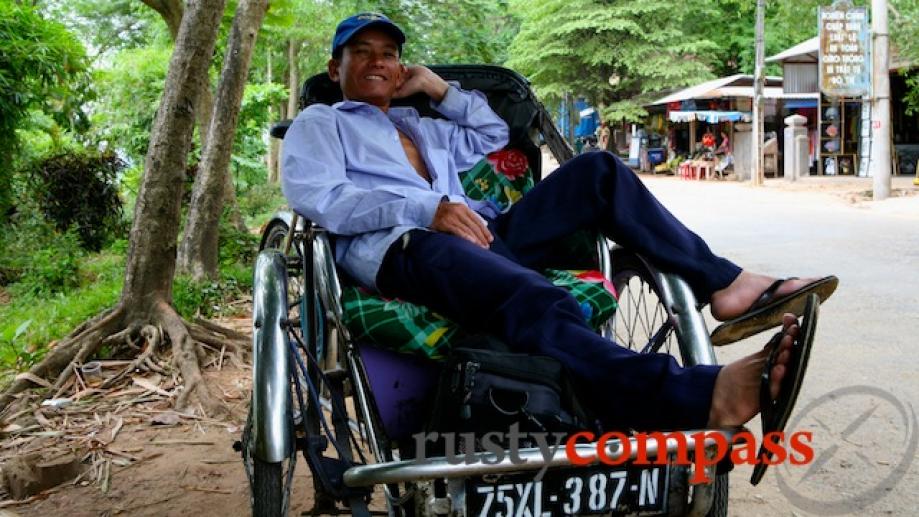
329 472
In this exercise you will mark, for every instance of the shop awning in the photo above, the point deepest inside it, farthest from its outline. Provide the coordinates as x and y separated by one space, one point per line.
801 103
732 86
712 117
682 116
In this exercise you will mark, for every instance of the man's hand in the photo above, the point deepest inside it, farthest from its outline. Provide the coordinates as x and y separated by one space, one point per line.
419 78
458 219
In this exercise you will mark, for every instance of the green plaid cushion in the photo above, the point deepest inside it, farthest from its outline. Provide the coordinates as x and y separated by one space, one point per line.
502 177
414 329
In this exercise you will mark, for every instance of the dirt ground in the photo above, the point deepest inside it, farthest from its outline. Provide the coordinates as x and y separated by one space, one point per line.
179 465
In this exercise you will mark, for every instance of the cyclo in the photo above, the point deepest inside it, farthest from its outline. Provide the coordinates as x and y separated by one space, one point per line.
352 380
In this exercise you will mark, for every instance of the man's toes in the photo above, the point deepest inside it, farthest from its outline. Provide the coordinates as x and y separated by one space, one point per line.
783 357
778 373
790 286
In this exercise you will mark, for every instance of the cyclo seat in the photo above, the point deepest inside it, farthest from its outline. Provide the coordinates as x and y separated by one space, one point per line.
387 331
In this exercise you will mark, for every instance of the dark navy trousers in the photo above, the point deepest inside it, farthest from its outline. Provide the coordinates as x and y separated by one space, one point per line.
499 292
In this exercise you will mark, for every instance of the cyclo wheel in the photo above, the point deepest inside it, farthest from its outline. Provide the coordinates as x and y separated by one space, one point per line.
267 489
641 323
271 482
307 331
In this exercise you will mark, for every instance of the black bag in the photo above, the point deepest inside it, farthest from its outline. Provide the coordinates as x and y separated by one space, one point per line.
483 390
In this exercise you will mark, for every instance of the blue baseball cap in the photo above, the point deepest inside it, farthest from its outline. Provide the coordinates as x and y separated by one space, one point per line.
351 26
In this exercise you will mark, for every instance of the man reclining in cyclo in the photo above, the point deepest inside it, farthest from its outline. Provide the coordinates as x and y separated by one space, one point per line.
385 182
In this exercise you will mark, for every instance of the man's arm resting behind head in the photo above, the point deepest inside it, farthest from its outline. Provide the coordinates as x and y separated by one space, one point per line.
315 183
475 130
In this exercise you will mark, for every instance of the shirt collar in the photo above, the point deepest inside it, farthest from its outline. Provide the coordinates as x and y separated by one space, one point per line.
394 113
347 105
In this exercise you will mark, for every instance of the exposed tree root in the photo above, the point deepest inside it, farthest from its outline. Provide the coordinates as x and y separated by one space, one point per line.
223 331
185 356
151 336
60 358
118 326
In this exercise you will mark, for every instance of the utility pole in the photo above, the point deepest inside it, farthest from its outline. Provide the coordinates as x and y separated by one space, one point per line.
880 110
756 176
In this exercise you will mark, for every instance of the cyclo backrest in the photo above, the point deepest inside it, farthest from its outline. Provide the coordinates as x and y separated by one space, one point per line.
508 94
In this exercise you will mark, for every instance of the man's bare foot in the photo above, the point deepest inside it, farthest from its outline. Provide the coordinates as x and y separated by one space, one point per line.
735 398
736 298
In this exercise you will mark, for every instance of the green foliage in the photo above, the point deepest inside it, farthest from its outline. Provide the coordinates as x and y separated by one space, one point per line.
25 235
730 25
911 99
904 25
51 270
607 51
108 26
237 251
236 247
247 163
452 31
40 269
30 321
212 298
77 188
40 62
260 202
130 93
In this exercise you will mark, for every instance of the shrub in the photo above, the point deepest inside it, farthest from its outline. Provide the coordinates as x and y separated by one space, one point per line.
237 247
24 237
29 322
211 298
42 66
79 189
51 270
261 200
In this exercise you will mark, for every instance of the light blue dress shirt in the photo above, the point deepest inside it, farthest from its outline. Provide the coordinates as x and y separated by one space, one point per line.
345 169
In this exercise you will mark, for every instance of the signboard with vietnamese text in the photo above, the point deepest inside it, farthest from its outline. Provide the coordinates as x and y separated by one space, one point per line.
844 61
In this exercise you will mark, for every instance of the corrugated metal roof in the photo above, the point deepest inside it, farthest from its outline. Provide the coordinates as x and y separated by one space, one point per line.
809 47
770 92
739 85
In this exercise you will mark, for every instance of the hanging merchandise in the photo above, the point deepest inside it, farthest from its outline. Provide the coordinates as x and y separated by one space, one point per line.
831 146
845 166
831 113
832 130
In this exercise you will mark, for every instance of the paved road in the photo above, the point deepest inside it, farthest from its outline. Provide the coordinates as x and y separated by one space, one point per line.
867 336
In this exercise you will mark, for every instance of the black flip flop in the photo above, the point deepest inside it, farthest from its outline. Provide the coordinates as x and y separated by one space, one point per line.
767 311
775 413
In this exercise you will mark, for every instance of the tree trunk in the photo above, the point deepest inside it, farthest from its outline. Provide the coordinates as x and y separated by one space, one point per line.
171 11
273 154
293 82
273 150
151 256
294 77
145 308
198 252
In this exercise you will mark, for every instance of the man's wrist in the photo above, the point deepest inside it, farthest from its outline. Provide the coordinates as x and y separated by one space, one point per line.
437 88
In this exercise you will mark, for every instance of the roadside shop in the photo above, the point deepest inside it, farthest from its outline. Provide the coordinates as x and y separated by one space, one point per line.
683 118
